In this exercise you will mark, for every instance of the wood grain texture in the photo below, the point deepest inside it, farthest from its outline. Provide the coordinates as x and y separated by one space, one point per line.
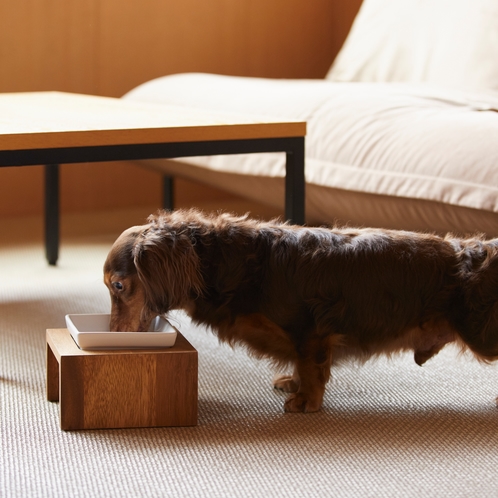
49 45
122 388
42 120
52 375
275 39
108 382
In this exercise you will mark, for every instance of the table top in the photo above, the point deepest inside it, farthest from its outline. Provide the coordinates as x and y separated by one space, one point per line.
45 120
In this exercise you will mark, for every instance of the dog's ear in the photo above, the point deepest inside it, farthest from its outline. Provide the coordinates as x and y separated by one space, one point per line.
168 267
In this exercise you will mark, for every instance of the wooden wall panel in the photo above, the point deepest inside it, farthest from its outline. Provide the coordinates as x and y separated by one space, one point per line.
44 45
107 47
290 39
278 38
180 36
48 45
343 14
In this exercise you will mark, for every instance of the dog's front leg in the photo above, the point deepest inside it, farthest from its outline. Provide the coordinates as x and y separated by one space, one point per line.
312 380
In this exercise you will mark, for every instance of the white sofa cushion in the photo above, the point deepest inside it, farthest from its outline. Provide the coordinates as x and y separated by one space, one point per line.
444 42
391 140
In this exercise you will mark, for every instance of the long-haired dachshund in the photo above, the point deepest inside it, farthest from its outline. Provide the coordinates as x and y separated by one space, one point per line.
307 297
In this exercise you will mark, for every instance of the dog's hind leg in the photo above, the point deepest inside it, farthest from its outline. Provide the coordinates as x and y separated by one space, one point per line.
287 383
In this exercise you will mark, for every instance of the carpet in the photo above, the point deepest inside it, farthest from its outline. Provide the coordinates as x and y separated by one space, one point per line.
387 428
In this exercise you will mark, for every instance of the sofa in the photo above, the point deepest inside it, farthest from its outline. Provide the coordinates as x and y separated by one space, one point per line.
402 131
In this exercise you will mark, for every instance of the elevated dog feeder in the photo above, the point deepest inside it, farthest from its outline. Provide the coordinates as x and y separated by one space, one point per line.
120 388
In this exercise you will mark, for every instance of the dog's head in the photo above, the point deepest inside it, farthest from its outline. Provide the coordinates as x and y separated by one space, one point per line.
150 270
128 303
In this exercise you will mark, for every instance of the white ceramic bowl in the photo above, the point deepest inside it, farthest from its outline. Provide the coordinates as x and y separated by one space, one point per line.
92 332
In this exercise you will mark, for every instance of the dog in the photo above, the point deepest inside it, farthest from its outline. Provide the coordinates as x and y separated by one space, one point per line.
307 298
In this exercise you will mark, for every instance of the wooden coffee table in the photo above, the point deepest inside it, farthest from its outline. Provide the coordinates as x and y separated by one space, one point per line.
52 128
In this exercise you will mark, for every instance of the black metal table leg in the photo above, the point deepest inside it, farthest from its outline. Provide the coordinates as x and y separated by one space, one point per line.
295 183
168 193
52 213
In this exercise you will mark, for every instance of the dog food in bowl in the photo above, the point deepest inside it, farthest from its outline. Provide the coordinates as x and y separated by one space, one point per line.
91 331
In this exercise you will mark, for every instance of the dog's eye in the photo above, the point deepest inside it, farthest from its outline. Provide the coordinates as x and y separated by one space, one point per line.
118 286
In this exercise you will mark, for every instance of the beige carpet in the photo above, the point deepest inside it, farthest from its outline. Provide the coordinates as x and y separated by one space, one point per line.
388 428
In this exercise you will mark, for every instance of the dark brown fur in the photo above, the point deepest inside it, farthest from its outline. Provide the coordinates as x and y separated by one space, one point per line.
307 297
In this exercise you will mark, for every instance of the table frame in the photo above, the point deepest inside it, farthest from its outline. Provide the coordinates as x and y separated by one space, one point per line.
53 157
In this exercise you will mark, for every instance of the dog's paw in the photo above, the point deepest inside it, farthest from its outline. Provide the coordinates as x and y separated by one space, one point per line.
300 402
285 383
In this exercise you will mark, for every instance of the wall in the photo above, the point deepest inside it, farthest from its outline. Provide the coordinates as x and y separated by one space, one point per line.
107 47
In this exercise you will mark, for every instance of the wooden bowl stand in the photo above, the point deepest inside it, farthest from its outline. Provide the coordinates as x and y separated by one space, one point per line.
121 388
